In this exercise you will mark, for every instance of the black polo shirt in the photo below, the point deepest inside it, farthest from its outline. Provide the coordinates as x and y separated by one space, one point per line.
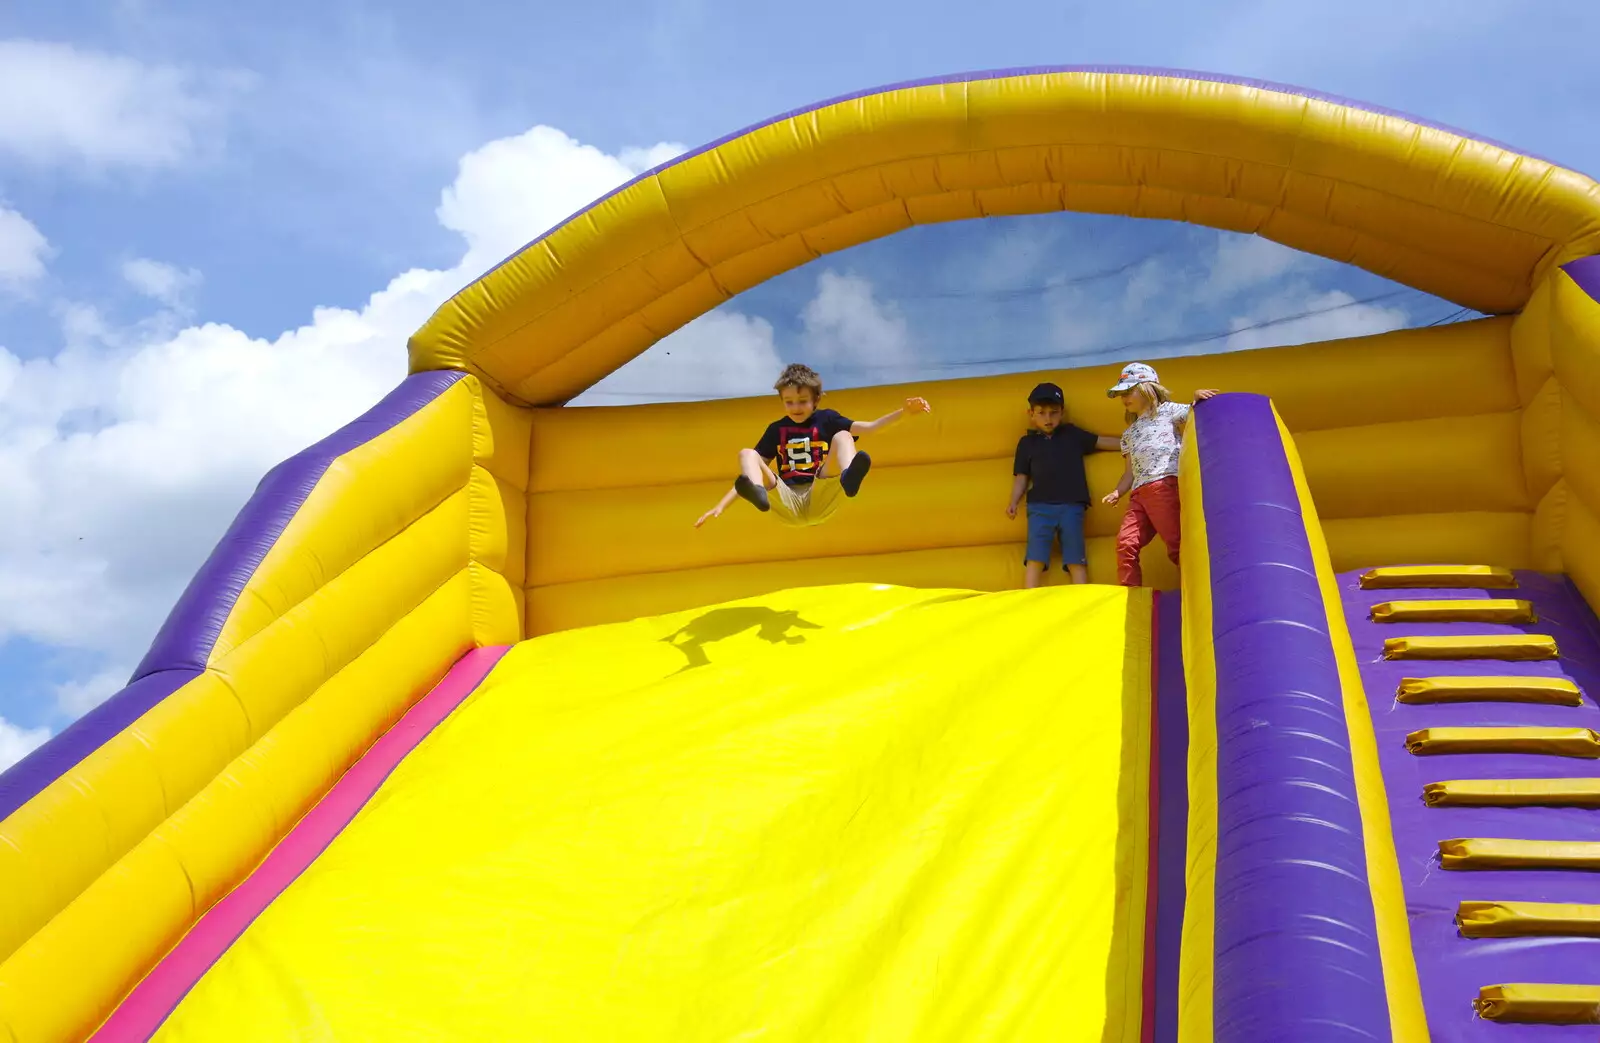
1054 463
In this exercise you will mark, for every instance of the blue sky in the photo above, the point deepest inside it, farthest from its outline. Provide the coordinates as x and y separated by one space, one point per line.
218 222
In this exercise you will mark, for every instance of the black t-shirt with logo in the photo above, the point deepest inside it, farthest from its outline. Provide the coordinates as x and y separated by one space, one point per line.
1055 464
801 449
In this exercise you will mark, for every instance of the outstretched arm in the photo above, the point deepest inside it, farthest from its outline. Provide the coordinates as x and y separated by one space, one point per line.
867 427
1123 486
1107 444
716 511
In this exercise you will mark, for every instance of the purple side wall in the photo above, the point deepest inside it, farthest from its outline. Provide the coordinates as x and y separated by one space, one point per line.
1172 814
1296 952
185 639
184 643
1452 968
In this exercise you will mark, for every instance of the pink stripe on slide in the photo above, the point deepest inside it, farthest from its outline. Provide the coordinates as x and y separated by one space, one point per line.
158 995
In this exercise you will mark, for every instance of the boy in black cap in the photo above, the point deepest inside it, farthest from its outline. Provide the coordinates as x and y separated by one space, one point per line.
1050 459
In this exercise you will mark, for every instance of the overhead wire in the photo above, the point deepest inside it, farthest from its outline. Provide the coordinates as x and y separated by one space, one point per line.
1180 340
1080 357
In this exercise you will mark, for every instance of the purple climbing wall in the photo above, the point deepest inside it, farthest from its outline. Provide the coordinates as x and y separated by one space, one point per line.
1453 968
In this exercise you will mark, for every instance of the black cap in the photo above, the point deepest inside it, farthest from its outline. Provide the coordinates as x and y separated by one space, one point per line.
1046 395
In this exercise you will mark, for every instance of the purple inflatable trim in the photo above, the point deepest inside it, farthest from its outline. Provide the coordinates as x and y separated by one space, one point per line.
22 781
1585 271
185 639
1296 951
184 642
999 74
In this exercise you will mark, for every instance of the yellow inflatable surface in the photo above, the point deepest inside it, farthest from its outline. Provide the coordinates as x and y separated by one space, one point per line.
858 812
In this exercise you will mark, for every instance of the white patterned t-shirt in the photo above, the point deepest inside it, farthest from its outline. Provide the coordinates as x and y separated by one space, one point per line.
1152 445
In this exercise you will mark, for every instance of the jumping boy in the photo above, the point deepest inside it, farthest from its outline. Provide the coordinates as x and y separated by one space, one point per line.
815 452
1049 468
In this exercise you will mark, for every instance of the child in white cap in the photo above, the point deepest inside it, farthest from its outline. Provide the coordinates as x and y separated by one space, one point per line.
1150 447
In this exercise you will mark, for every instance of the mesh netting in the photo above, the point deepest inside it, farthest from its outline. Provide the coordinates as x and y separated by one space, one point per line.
1016 294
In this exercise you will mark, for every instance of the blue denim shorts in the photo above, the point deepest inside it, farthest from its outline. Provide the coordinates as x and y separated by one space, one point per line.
1046 521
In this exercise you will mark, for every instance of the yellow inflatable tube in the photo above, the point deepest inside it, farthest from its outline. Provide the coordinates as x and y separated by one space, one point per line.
1429 207
393 563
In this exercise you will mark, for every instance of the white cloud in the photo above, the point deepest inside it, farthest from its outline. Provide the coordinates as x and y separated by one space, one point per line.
1087 320
846 323
1248 293
638 160
16 743
1307 316
76 698
721 354
1026 252
125 455
159 281
60 103
23 249
512 190
1247 262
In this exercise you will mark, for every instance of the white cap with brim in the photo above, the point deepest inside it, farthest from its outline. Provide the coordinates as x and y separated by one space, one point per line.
1132 374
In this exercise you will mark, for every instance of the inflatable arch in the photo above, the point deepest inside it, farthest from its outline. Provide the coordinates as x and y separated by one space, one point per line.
463 732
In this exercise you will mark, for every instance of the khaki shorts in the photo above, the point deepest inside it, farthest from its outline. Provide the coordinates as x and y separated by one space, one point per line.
807 505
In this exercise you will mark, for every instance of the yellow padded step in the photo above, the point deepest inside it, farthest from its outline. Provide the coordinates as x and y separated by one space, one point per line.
1512 793
1537 1004
1517 647
1524 919
1558 742
1558 691
1496 853
1491 610
1460 577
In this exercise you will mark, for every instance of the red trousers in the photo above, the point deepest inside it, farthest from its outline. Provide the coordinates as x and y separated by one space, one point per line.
1152 511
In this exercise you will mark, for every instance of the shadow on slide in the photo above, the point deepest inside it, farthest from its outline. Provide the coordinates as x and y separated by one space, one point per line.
771 625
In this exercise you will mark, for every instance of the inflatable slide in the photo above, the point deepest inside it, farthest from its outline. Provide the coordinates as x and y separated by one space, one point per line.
464 732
